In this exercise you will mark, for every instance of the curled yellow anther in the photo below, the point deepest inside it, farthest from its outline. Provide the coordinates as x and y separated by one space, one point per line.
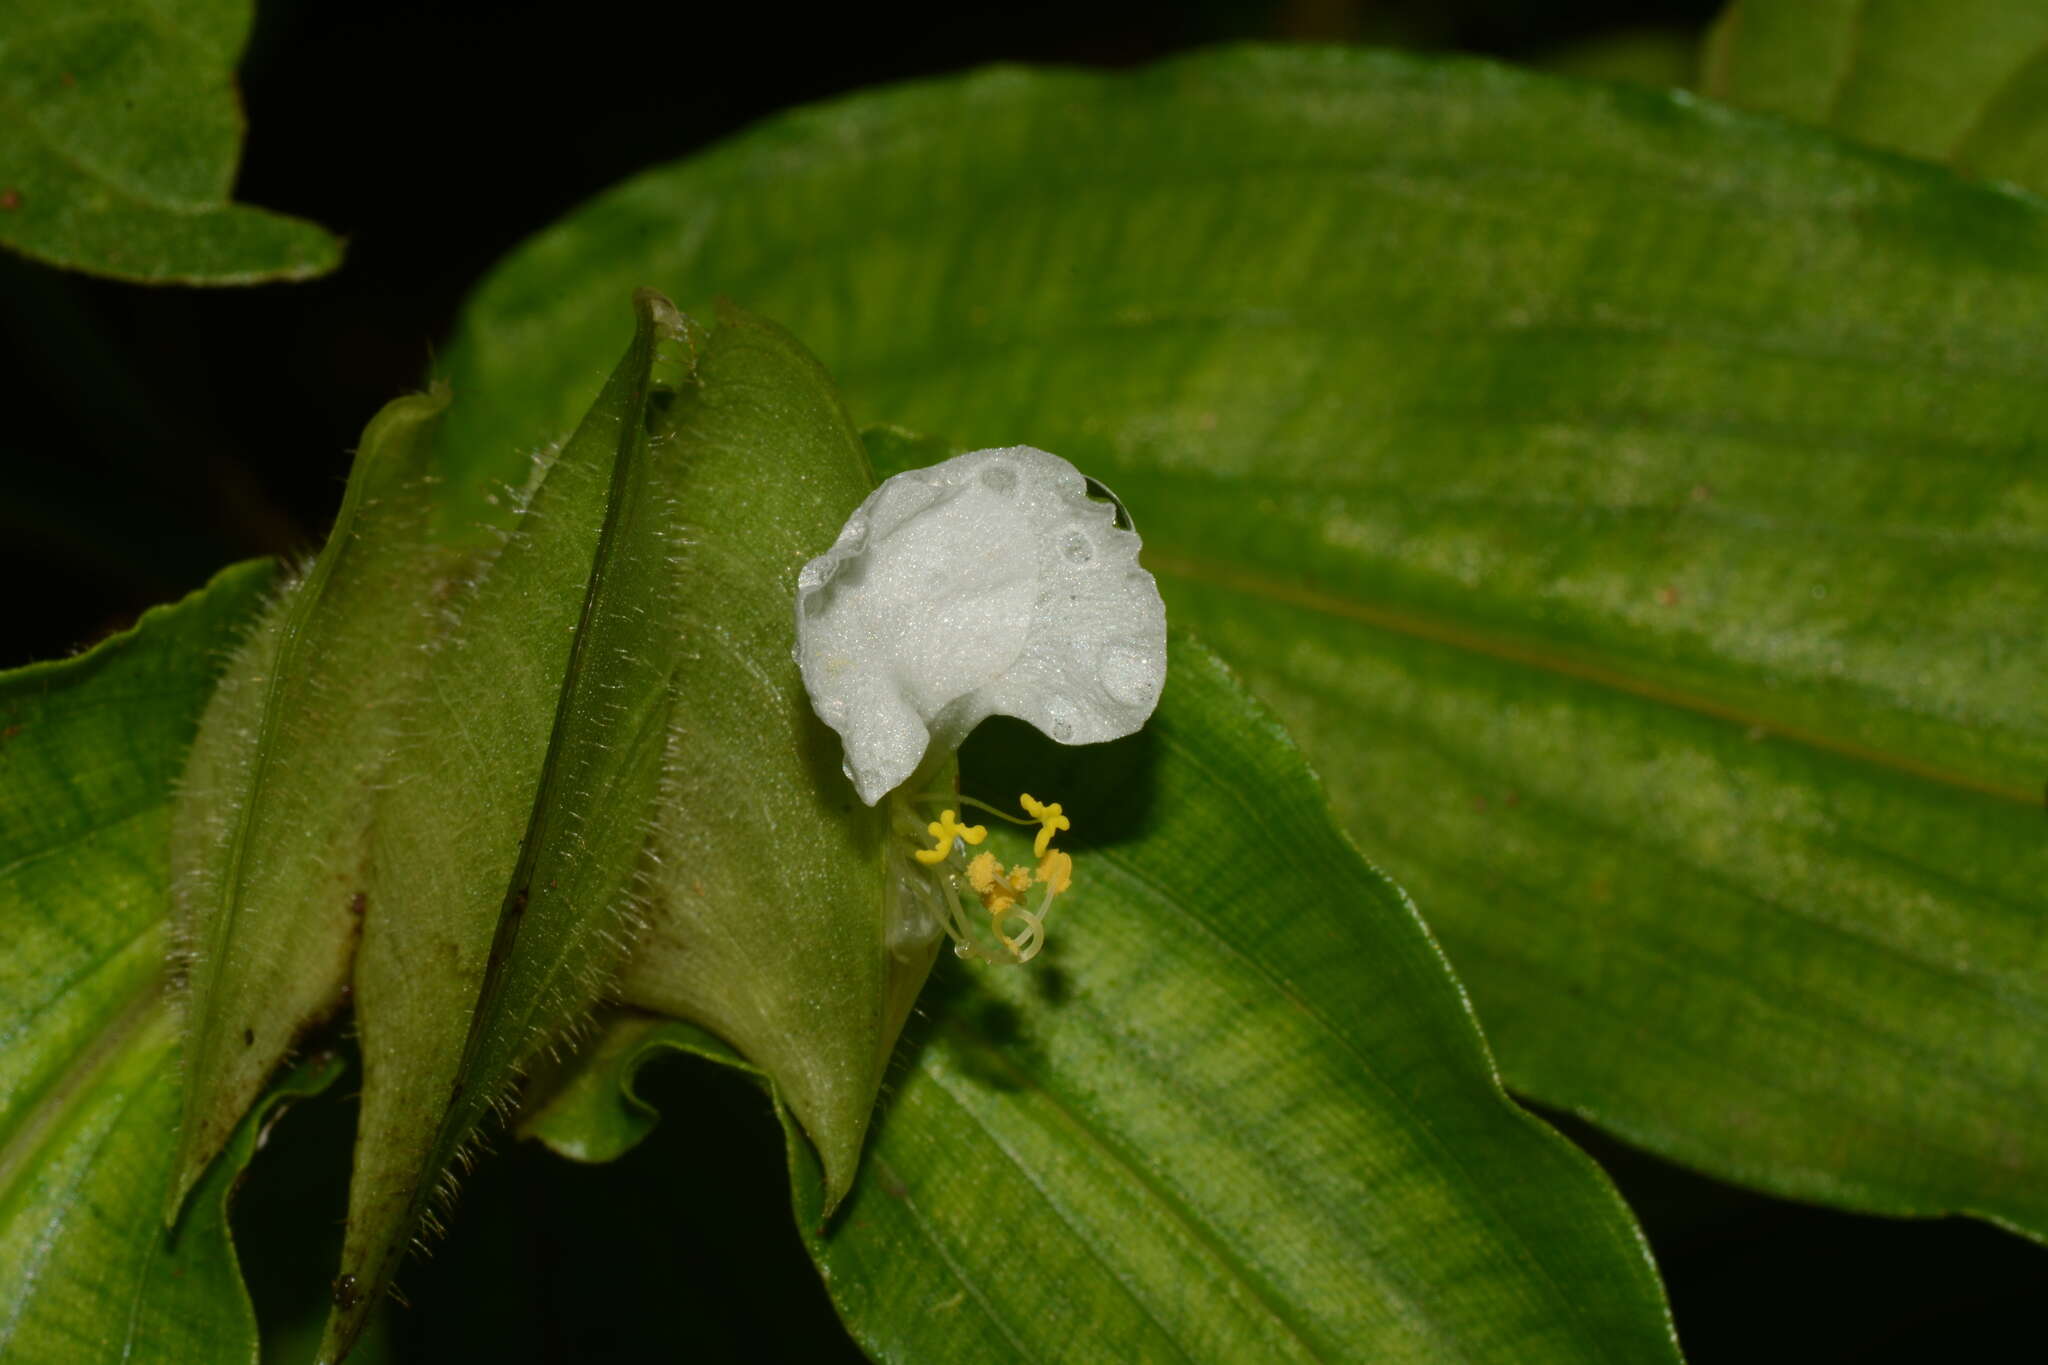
1051 820
1056 873
998 888
945 830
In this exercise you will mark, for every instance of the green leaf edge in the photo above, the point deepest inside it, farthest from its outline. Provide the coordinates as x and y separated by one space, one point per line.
330 249
214 1193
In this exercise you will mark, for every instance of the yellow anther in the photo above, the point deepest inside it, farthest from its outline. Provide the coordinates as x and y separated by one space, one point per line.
1051 820
945 830
1056 872
998 889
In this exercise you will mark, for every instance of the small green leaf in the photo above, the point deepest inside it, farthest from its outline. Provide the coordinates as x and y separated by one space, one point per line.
1237 1110
272 825
90 750
119 132
1963 81
527 759
588 1110
769 902
1638 510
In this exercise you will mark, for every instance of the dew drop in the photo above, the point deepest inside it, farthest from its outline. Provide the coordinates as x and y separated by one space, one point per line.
1076 548
999 478
1128 677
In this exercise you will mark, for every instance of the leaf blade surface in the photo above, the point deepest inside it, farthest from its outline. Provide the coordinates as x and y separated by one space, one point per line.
1960 83
1453 401
89 1075
122 132
1237 1109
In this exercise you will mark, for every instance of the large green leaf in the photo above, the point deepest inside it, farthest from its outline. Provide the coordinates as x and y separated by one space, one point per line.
1963 81
1638 509
119 132
1236 1111
90 750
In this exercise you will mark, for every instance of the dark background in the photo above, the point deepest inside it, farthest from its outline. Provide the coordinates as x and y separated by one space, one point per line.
155 435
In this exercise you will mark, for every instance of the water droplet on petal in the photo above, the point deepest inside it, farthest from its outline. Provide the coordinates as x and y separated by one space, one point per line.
1129 677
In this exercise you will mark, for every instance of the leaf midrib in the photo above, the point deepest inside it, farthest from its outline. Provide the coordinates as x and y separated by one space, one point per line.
1196 1230
1957 151
1468 640
145 1003
924 1225
1416 1123
100 179
1586 823
46 1244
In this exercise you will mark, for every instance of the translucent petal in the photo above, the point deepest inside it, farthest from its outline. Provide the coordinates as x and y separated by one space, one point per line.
991 584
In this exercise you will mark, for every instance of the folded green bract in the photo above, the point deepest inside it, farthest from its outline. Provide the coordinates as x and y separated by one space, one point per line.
768 906
270 844
448 783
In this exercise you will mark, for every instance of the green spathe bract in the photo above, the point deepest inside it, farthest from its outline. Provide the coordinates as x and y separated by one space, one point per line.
270 839
500 855
769 904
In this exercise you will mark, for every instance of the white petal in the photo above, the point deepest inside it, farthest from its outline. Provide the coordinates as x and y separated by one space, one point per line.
991 584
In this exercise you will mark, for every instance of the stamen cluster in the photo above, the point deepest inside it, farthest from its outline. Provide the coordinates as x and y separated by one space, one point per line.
1014 899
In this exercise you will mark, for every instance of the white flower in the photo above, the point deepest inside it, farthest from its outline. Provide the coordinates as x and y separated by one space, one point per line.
990 584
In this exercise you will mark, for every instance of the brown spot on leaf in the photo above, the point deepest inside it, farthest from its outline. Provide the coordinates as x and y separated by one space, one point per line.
248 1037
10 199
1668 595
346 1293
